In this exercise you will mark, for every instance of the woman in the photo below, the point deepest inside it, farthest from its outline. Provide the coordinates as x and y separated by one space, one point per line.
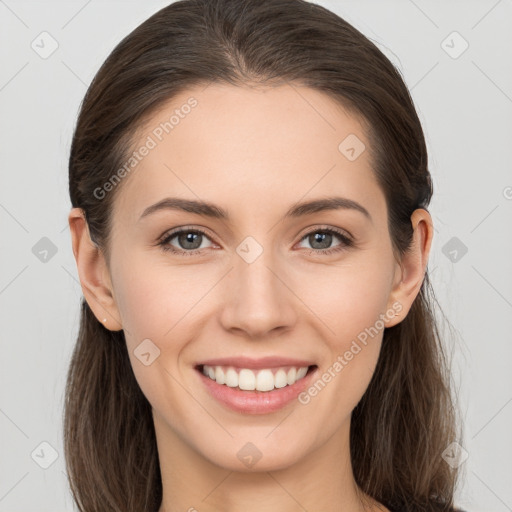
249 184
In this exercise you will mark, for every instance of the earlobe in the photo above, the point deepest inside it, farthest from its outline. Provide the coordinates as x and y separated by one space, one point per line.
412 266
93 272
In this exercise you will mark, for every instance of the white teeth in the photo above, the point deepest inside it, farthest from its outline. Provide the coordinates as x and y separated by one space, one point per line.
250 380
264 381
280 379
247 380
301 372
231 378
219 375
292 373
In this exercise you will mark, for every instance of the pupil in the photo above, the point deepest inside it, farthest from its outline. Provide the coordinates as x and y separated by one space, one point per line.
187 240
322 238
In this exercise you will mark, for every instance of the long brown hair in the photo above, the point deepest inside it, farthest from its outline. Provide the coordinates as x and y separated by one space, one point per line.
407 417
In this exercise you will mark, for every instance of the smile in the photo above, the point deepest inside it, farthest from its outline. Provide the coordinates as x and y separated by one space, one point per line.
245 379
256 390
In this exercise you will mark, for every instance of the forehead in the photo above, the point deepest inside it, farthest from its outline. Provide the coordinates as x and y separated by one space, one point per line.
243 145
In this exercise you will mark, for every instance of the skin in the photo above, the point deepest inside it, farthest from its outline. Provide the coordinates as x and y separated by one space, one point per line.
254 152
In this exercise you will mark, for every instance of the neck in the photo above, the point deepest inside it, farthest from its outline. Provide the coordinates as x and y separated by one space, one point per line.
323 480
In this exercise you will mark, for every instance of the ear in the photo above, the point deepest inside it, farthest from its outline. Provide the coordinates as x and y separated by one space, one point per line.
410 271
93 272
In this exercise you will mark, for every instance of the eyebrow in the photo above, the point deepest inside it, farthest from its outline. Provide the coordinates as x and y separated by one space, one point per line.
207 209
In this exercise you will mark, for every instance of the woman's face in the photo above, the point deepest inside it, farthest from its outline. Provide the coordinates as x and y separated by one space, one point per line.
261 282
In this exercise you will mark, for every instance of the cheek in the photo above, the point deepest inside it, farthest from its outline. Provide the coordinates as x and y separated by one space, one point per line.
350 301
156 303
348 298
155 299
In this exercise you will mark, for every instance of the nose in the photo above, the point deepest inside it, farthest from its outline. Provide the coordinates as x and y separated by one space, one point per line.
258 300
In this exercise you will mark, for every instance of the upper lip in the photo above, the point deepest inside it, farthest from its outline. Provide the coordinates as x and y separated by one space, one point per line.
263 362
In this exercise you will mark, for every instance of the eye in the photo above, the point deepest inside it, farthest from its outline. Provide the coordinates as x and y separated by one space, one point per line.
190 241
321 241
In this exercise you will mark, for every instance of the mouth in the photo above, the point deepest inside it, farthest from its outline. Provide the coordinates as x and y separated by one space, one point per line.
259 390
248 379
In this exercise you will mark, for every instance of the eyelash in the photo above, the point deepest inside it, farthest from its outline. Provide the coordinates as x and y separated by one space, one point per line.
346 242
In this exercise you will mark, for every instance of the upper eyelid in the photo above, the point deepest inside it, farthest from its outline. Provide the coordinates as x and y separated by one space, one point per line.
319 227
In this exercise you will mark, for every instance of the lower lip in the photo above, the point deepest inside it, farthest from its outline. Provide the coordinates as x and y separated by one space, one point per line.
256 402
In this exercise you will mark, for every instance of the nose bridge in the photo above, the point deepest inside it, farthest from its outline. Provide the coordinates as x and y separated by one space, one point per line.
255 280
258 301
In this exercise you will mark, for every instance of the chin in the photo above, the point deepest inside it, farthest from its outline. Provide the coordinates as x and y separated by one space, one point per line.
250 454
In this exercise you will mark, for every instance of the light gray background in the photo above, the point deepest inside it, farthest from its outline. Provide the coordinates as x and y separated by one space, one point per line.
465 105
